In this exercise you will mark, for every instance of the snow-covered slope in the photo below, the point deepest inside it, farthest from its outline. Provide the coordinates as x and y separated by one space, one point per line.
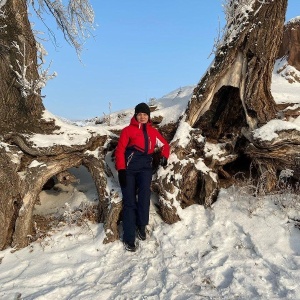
172 105
285 89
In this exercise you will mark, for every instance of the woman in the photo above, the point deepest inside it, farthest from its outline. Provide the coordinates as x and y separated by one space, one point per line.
134 165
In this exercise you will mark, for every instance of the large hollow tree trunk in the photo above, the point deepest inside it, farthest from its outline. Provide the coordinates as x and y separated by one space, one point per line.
232 99
25 167
30 189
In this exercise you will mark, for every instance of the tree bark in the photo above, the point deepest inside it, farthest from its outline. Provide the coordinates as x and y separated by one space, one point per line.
10 200
231 100
19 113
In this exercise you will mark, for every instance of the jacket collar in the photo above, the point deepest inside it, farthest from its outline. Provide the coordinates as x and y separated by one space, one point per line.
134 122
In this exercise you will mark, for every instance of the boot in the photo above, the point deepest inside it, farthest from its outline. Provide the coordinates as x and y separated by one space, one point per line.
141 232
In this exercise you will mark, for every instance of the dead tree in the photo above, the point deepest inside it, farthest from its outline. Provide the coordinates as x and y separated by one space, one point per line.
231 101
25 166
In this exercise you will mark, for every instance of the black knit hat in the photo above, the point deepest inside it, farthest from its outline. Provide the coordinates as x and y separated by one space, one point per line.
142 108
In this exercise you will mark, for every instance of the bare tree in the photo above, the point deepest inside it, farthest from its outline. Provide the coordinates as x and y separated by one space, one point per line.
75 19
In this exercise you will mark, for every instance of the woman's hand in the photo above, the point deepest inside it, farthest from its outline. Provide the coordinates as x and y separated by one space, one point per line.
163 161
122 178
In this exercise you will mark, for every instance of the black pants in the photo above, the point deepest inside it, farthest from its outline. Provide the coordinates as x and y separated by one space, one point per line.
136 202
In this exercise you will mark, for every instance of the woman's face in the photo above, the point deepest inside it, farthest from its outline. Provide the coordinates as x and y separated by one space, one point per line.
142 118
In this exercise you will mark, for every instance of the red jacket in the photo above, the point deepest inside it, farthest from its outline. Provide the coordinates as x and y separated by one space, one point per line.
133 136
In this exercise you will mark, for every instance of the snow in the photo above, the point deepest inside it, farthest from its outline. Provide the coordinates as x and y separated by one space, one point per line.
236 18
2 3
294 20
269 131
66 135
243 247
36 163
183 134
282 72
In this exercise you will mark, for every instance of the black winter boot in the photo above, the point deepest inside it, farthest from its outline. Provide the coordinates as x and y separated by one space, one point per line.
129 246
141 232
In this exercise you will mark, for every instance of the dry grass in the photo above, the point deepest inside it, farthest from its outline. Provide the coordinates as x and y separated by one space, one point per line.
81 216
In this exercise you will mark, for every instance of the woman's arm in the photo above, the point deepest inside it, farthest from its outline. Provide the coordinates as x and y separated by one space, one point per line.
163 145
120 150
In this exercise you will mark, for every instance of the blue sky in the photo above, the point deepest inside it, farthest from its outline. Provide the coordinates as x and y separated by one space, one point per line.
140 49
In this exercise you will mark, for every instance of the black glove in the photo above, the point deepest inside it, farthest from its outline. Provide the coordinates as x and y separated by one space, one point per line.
163 161
122 177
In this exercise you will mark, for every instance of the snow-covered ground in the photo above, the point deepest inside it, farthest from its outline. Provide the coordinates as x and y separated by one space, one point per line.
241 248
244 247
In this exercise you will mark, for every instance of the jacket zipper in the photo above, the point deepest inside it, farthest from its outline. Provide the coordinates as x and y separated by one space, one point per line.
146 139
129 158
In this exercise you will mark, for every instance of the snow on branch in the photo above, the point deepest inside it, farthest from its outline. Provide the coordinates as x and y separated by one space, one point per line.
75 20
236 16
2 14
29 86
